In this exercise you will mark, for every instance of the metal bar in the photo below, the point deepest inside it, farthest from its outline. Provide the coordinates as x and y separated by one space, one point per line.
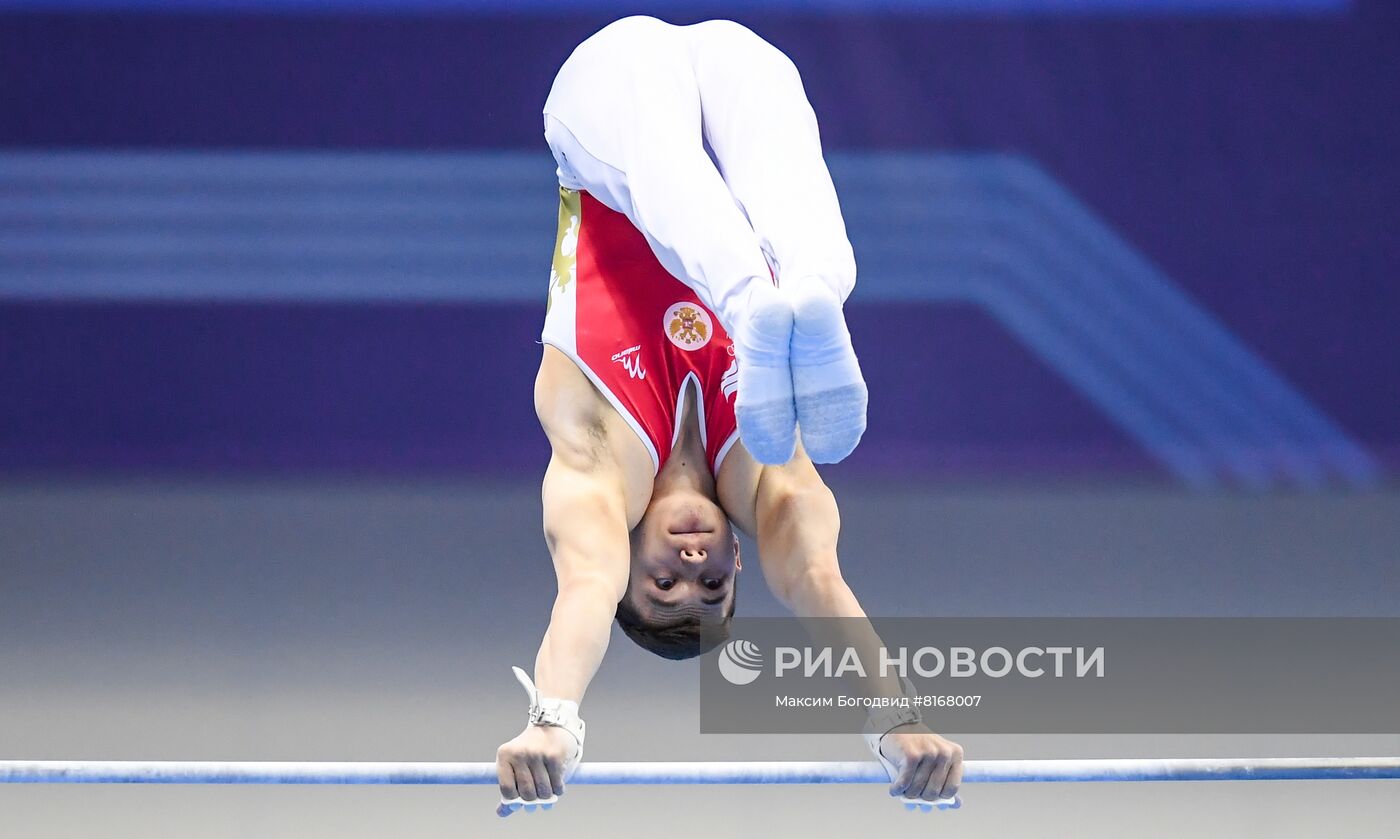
725 772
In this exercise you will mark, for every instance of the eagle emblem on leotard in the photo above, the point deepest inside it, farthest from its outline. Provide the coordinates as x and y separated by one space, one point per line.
688 326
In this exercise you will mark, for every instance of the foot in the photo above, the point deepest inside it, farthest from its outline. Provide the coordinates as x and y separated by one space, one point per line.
764 406
828 388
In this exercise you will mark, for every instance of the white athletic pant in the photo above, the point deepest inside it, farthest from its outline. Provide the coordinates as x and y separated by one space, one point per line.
628 118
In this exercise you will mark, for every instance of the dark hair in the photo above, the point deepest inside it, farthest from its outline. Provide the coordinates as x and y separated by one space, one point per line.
679 639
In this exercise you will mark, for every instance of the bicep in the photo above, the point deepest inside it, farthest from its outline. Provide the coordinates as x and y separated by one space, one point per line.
798 524
797 515
585 524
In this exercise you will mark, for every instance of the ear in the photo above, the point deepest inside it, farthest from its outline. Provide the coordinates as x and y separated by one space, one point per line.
738 560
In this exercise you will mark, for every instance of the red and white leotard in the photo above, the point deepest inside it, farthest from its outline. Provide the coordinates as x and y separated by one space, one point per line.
638 333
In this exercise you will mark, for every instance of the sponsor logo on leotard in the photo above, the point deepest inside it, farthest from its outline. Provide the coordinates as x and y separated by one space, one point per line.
688 326
631 361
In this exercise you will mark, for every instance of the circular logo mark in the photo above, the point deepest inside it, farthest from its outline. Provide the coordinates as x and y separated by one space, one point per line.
740 662
688 326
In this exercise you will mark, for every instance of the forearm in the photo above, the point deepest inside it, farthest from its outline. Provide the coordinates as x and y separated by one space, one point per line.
585 527
577 638
834 617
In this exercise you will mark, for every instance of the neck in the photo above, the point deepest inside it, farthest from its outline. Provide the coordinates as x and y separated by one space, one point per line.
686 468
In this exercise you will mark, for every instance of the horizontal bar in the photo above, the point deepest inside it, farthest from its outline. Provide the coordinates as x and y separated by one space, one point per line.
727 772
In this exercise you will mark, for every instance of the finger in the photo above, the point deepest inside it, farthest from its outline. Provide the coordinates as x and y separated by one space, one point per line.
544 787
906 777
506 775
504 809
920 779
556 775
524 779
955 775
936 778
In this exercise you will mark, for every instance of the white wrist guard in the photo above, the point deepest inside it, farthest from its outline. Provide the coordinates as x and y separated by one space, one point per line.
560 713
881 721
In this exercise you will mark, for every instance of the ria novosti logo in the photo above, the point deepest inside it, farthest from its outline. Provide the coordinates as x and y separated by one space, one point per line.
740 662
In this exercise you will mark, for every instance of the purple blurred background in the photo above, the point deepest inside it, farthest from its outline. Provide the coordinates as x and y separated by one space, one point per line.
1247 159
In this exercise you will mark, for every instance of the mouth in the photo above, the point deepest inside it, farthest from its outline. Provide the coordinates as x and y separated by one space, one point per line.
690 523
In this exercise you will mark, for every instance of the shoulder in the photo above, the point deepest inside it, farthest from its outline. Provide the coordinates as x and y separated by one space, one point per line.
586 433
571 411
737 487
742 482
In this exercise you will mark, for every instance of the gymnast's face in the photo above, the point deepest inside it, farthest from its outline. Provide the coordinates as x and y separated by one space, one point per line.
684 560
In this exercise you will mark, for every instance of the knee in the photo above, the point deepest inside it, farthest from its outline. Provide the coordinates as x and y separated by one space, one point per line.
758 56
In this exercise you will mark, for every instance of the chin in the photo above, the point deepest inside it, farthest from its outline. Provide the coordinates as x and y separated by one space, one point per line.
690 513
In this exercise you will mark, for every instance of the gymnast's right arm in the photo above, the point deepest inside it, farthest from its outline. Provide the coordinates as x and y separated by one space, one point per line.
585 526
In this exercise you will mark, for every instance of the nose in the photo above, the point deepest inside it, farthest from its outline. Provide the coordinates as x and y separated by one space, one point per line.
693 554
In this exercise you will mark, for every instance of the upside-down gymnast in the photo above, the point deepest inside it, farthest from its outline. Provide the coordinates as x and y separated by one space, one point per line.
694 331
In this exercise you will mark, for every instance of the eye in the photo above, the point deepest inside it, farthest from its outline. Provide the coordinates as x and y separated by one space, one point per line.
713 584
665 584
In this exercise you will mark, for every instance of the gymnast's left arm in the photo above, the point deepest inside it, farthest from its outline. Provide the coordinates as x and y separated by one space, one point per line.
797 523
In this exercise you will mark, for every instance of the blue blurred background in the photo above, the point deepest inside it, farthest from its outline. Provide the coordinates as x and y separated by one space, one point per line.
271 278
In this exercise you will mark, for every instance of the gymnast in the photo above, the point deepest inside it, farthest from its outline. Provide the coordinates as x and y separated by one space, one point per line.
693 333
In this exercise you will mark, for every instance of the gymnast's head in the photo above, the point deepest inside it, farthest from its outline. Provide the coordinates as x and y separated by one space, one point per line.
685 567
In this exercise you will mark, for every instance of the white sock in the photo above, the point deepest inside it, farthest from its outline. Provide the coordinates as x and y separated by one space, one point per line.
764 405
829 390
